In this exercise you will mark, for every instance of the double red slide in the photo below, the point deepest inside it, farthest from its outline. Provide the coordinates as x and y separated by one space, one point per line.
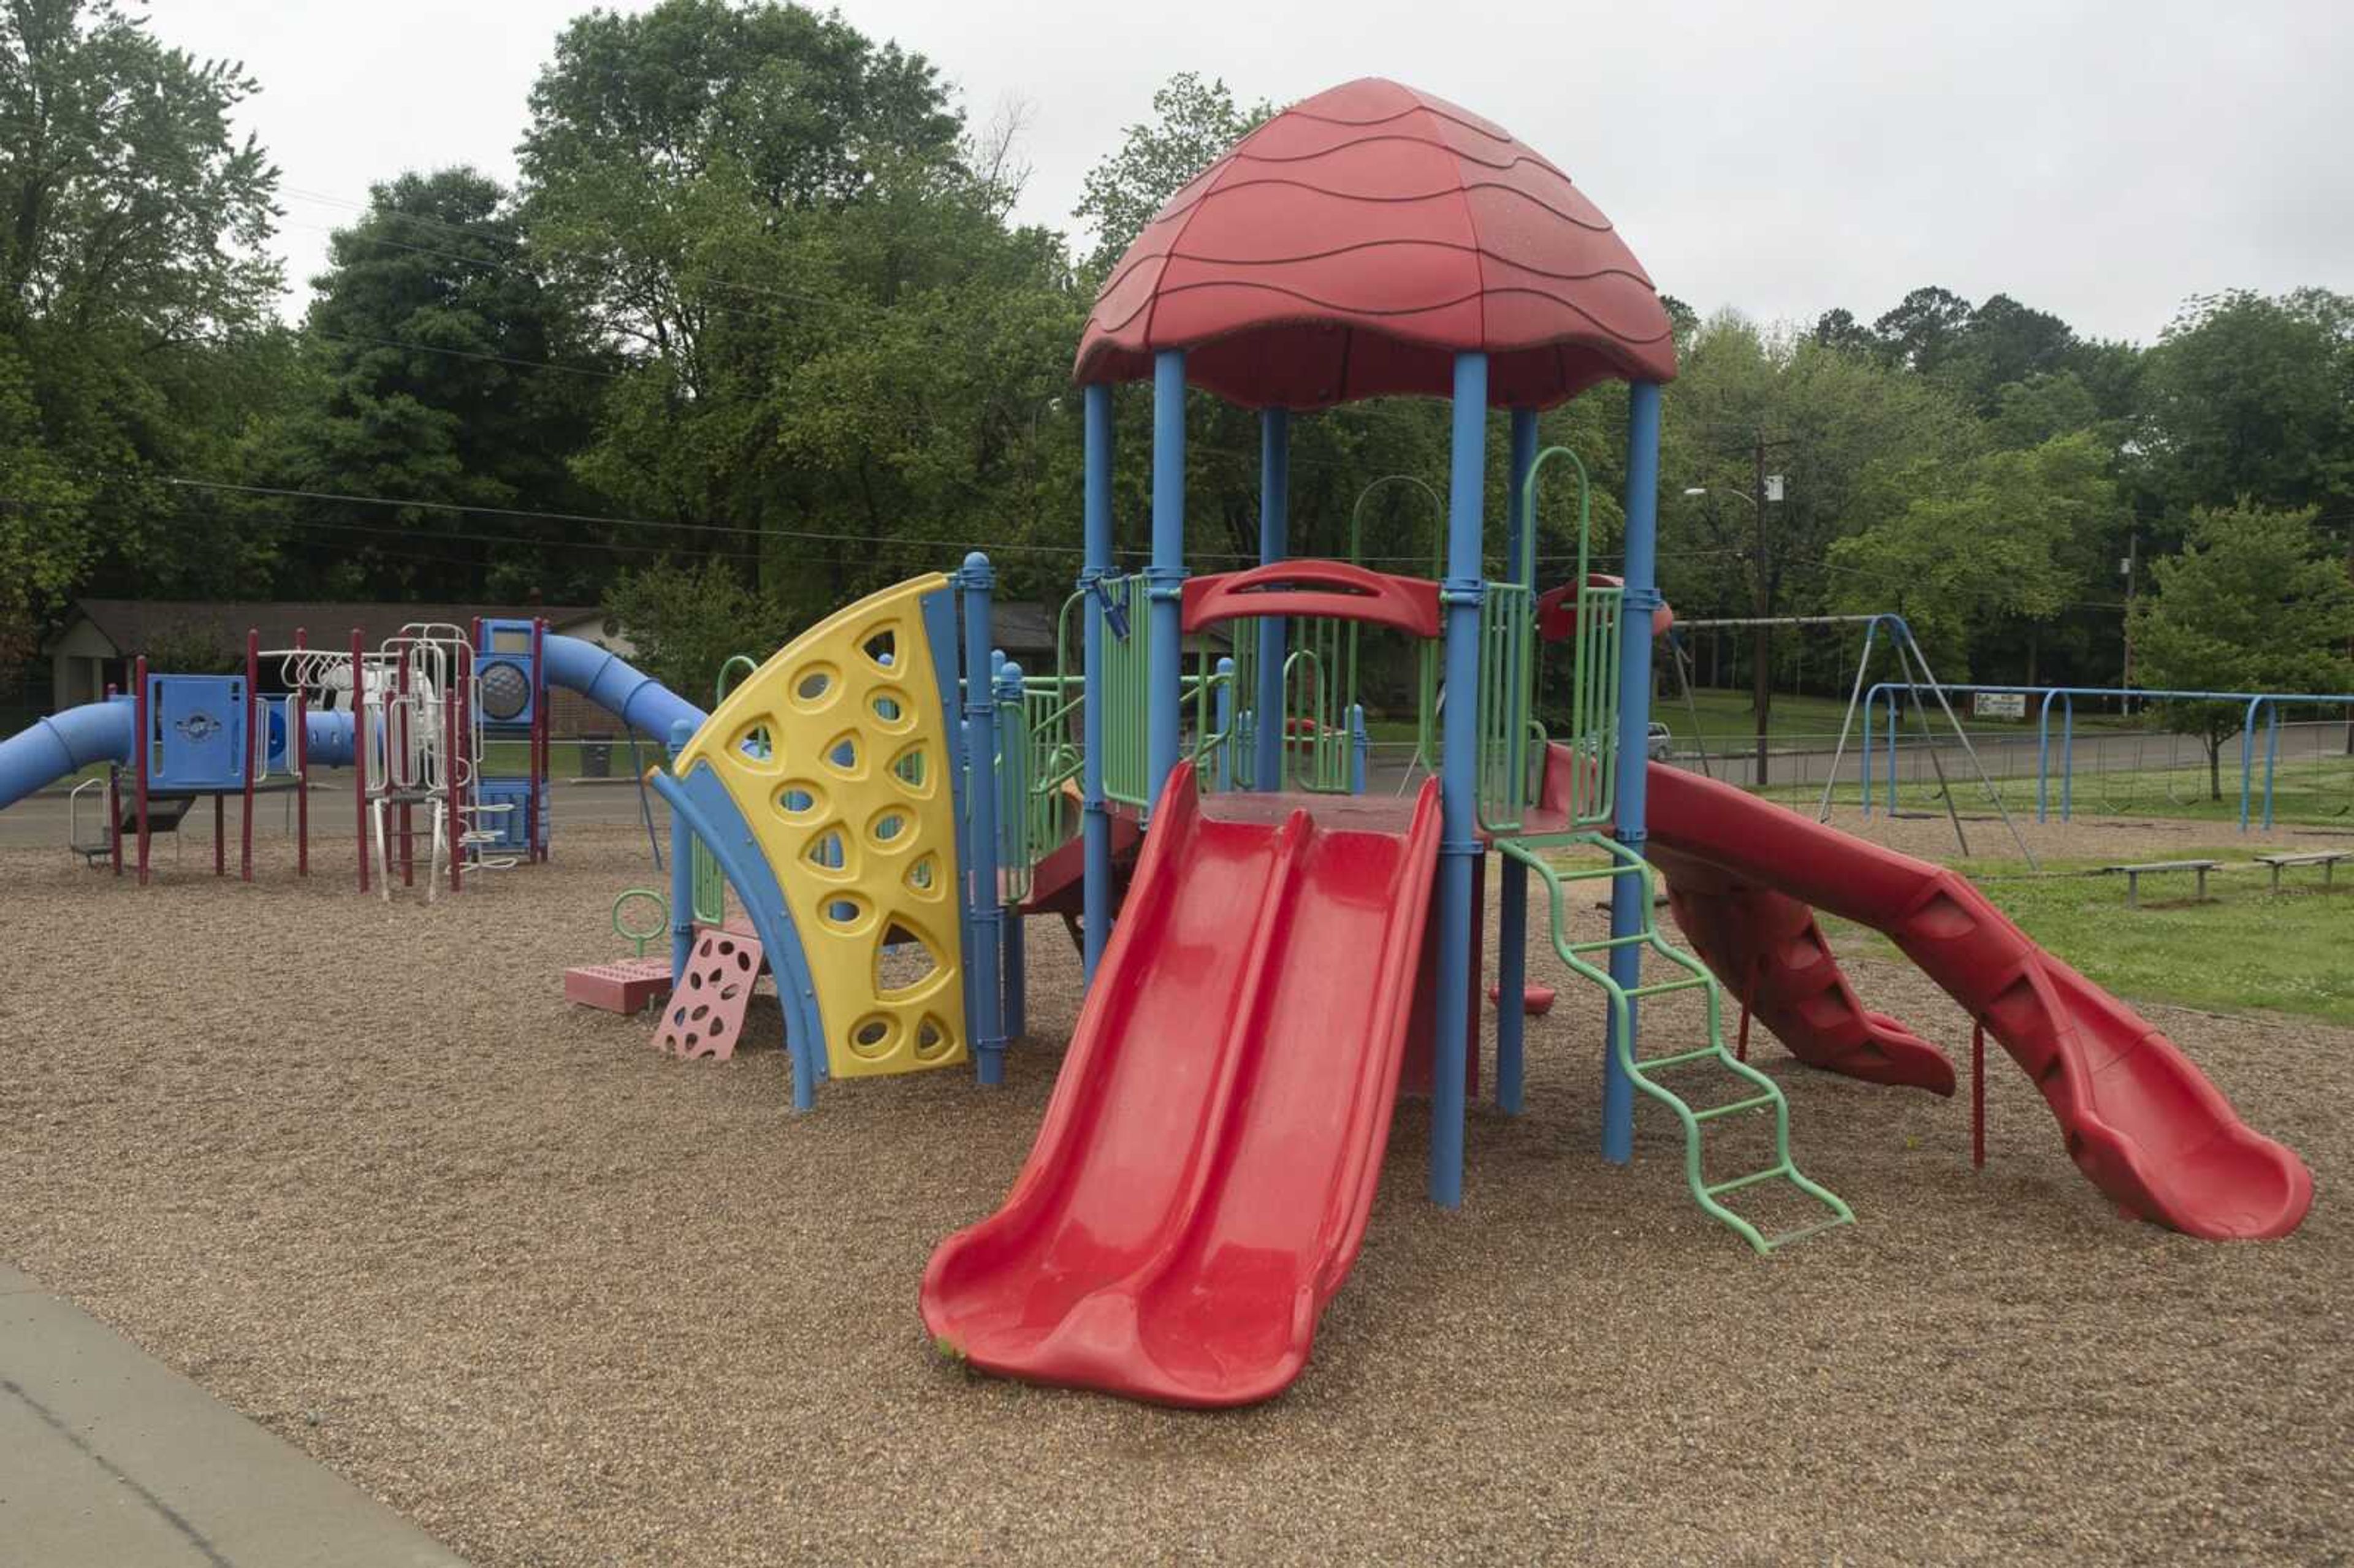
1201 1184
2140 1120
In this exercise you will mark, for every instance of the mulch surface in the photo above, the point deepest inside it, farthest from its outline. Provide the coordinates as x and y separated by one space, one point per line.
360 1170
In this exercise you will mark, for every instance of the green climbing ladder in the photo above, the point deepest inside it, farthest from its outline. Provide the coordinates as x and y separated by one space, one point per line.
1647 1074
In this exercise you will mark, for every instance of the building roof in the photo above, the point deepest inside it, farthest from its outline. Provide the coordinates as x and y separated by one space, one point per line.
135 625
1354 244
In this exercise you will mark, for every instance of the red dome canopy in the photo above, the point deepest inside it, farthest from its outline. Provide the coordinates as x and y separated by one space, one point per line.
1354 244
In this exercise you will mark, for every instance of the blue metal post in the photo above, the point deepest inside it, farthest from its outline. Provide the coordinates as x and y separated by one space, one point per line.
1095 921
1361 745
1223 718
1164 579
1512 886
2067 758
1273 545
682 868
1630 897
984 916
1016 976
1459 844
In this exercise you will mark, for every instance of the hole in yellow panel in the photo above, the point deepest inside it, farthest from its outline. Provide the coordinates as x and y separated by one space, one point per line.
904 962
924 877
889 711
816 686
829 851
798 800
891 828
882 646
846 913
872 1037
845 755
933 1040
912 767
754 746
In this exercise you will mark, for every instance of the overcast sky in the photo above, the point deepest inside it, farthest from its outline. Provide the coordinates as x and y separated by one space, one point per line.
2099 161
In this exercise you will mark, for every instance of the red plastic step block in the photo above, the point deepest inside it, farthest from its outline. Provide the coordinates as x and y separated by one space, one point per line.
625 985
705 1015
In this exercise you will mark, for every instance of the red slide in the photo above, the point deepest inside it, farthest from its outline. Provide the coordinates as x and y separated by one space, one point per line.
1200 1185
2140 1120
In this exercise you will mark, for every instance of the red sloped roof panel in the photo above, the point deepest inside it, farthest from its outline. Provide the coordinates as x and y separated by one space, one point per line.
1354 244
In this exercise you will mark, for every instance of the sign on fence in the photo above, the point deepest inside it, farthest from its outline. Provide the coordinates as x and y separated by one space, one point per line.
1999 704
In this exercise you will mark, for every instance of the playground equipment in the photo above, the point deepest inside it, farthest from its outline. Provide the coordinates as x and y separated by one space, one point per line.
886 800
1273 955
428 701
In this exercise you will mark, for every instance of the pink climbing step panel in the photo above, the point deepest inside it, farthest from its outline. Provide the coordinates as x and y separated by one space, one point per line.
624 985
705 1015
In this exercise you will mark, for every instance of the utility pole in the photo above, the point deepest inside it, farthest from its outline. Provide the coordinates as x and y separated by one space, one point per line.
2133 547
1761 647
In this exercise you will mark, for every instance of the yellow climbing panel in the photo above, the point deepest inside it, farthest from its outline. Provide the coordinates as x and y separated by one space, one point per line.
836 752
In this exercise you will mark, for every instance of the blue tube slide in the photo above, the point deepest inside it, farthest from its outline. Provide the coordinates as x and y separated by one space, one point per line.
637 699
64 744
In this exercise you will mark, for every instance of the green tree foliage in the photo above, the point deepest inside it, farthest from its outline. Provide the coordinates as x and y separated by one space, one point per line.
685 622
134 297
2255 602
834 345
2247 396
441 370
1194 123
1960 548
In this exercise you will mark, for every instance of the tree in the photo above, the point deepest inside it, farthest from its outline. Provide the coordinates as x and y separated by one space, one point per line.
1924 330
442 372
1964 546
2254 603
838 362
1194 123
2248 396
134 297
687 623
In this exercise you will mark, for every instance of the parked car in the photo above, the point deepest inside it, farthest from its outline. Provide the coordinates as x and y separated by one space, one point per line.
1662 745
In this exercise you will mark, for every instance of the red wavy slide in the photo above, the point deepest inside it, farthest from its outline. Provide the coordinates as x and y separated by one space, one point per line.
1201 1183
2141 1121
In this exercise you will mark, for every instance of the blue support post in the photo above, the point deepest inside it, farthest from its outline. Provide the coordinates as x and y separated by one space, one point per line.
984 916
1164 579
1273 545
1224 718
1095 922
1016 979
1630 897
1361 745
1513 885
1458 843
682 868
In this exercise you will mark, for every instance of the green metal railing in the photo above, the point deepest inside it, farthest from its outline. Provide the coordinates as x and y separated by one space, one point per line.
1761 1093
1018 847
710 885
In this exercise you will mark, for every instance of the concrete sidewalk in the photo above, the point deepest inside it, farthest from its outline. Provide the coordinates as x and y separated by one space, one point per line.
111 1459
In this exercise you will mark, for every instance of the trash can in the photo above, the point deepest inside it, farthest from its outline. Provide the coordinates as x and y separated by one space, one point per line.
596 757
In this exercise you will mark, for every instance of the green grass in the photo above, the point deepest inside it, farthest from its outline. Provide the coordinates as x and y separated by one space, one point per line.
2243 948
2312 791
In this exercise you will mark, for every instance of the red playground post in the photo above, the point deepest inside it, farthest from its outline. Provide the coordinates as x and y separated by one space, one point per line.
257 749
360 748
139 755
454 719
